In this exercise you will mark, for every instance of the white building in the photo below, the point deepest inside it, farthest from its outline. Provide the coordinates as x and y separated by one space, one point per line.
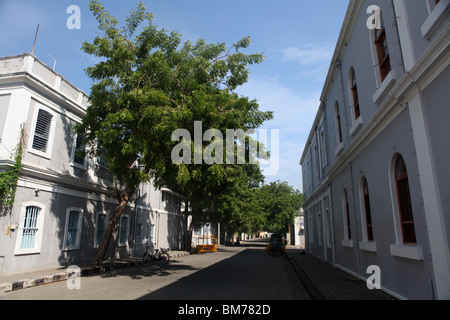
63 201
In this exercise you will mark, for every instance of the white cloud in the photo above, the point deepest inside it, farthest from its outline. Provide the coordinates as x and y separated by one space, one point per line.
308 55
294 113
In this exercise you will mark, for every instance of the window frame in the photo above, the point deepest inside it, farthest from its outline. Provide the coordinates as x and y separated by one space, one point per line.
401 199
124 231
355 108
347 241
96 242
75 246
383 58
366 210
74 151
39 226
51 134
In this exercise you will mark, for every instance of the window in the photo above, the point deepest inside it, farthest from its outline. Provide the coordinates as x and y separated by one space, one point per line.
384 61
438 11
30 228
123 236
72 234
328 227
367 210
78 153
354 89
323 149
139 228
404 202
101 159
316 156
43 132
348 229
100 228
338 123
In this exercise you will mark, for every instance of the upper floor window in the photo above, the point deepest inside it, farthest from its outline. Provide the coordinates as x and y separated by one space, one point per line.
338 122
384 61
438 11
43 132
355 96
79 152
323 149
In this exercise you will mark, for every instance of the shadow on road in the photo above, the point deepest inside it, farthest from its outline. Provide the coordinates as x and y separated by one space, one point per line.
150 269
248 275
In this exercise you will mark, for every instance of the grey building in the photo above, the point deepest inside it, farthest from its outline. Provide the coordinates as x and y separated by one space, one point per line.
63 201
375 173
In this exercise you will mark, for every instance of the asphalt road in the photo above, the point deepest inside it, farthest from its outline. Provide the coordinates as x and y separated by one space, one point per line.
232 273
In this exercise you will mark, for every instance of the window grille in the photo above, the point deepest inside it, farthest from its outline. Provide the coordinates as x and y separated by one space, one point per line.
72 228
30 229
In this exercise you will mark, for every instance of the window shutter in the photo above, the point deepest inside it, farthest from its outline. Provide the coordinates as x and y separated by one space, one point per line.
42 130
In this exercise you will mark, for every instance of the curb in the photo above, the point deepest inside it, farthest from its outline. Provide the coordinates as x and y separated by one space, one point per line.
84 272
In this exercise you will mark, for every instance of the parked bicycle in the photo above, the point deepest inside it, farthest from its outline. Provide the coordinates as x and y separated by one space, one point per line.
160 255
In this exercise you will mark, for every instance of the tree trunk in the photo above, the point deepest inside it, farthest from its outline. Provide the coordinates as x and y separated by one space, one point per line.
123 200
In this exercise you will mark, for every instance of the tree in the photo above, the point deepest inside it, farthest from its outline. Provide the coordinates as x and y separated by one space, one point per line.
146 88
279 203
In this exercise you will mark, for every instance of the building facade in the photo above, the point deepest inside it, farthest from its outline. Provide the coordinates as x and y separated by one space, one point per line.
63 201
375 173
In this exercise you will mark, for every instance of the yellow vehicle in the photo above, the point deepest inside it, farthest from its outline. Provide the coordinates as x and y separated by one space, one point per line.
208 244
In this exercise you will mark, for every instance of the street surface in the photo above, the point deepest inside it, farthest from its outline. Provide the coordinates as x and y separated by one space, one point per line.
232 273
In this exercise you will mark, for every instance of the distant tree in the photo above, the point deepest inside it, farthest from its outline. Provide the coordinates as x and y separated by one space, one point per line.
279 203
147 87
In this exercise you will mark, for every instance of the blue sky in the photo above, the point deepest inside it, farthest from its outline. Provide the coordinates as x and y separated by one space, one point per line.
297 38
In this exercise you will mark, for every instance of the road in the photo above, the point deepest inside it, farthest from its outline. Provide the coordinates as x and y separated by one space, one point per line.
232 273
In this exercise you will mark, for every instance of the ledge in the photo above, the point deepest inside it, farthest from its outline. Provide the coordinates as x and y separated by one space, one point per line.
407 251
370 246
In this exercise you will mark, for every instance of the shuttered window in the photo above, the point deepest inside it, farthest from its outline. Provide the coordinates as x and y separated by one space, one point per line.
42 131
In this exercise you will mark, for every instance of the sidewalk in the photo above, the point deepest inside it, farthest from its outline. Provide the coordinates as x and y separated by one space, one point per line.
34 278
326 282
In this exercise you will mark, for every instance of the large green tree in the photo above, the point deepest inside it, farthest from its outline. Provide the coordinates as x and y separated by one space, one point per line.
147 87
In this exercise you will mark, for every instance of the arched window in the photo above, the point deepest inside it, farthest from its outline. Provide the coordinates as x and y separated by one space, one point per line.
404 201
355 96
384 61
347 216
367 211
338 122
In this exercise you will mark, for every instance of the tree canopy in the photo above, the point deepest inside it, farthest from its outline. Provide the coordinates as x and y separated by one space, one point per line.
147 87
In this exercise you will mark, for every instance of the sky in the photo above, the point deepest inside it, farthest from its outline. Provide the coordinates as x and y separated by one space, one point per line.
297 38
